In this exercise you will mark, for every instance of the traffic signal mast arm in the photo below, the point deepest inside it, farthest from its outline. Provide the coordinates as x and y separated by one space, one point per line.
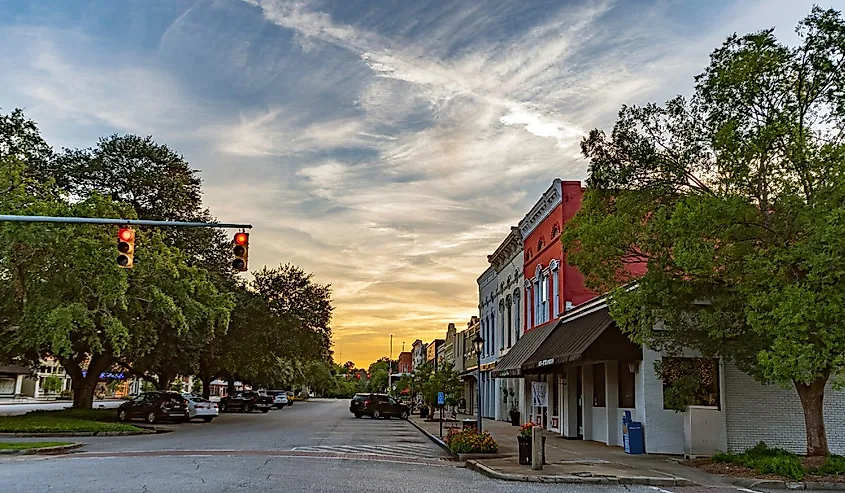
118 222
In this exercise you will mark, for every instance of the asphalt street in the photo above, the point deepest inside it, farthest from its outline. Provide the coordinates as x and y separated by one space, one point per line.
313 446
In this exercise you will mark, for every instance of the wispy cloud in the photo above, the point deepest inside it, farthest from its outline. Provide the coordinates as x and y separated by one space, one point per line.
386 150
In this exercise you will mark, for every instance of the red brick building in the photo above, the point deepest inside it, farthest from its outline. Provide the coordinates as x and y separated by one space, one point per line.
551 286
406 362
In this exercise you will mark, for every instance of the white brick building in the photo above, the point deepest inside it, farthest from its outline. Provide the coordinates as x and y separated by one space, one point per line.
599 374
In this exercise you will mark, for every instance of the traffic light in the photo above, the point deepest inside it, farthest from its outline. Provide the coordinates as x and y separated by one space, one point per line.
241 251
126 248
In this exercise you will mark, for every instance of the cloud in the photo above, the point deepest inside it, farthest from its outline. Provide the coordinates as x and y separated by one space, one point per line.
386 150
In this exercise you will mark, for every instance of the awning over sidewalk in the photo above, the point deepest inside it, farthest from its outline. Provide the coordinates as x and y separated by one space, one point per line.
510 366
590 337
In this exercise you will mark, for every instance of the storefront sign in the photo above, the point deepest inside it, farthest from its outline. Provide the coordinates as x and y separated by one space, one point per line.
116 376
540 394
546 362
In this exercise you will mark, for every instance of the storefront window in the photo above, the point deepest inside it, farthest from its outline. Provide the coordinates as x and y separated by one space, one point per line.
627 386
689 382
599 396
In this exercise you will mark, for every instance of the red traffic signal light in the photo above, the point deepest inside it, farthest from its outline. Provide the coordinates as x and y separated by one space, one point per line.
126 248
241 251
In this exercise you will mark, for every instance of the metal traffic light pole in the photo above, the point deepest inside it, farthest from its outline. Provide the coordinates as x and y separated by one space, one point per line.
118 222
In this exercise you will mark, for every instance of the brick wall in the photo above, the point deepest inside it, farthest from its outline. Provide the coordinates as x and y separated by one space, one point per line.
663 428
769 413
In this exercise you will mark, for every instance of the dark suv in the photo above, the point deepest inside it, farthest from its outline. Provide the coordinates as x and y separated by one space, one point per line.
377 405
246 402
154 407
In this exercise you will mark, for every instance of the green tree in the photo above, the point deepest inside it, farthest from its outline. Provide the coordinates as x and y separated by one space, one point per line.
279 325
52 384
734 200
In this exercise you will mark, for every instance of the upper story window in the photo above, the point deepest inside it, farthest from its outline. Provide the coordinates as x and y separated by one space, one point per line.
555 230
540 244
530 253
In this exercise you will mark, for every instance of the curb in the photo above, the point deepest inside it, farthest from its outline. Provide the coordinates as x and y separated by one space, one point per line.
777 484
79 434
57 450
644 480
433 438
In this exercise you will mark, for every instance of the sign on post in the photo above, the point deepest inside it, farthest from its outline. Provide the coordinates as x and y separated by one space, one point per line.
441 398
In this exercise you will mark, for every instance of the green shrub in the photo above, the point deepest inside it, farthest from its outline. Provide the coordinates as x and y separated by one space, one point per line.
834 465
766 460
789 467
727 458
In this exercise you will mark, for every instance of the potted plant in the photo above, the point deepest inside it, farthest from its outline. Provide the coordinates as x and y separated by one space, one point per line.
514 409
524 441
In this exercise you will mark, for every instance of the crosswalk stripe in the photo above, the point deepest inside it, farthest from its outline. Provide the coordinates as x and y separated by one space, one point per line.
409 450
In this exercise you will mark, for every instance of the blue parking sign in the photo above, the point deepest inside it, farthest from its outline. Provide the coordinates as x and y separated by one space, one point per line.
441 398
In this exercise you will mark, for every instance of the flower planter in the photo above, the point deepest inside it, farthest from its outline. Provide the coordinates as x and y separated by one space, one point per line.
515 415
525 449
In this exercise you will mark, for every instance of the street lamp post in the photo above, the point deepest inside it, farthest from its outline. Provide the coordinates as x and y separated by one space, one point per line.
390 367
478 346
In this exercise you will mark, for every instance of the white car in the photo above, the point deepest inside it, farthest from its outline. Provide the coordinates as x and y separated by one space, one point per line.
280 398
199 407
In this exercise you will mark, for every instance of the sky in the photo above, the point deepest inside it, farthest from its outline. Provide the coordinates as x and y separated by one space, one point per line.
385 146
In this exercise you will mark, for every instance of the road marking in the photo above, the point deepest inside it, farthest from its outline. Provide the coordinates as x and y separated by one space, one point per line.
293 454
661 490
746 490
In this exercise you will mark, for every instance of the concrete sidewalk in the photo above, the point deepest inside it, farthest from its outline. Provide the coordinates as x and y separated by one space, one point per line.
576 461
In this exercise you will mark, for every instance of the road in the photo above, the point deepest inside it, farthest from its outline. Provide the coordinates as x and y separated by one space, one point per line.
314 446
23 408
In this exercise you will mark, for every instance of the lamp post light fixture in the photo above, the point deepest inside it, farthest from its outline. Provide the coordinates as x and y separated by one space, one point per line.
478 346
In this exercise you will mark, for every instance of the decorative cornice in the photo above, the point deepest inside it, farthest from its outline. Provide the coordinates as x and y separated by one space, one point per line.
547 203
507 250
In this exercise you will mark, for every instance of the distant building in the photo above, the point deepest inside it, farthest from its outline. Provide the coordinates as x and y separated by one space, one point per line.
406 363
466 363
431 349
417 354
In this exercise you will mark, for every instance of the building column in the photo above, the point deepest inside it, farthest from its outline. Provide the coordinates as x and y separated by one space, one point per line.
587 403
570 404
18 385
611 388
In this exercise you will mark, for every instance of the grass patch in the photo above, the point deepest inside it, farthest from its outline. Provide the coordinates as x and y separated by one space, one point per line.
65 421
766 460
29 445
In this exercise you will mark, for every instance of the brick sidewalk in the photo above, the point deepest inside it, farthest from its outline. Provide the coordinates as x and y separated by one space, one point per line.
576 461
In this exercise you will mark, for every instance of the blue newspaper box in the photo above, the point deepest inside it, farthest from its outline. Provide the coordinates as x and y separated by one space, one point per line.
632 435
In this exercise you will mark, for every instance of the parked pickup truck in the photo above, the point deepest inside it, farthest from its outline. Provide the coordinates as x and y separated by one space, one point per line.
246 402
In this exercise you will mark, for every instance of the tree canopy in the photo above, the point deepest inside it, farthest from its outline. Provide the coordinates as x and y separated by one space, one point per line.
734 200
179 311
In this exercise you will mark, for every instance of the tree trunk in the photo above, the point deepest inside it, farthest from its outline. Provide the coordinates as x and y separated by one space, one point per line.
164 381
230 386
206 383
84 387
812 401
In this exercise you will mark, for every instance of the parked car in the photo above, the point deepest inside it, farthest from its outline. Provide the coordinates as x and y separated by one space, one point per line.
246 402
154 407
291 398
378 405
199 407
280 398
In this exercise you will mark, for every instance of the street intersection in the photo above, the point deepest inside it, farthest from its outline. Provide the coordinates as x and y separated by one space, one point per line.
315 446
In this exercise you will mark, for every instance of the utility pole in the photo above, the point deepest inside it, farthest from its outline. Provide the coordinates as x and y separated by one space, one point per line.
390 366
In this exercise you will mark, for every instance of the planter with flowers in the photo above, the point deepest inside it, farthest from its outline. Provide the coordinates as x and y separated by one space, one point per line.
524 440
470 441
